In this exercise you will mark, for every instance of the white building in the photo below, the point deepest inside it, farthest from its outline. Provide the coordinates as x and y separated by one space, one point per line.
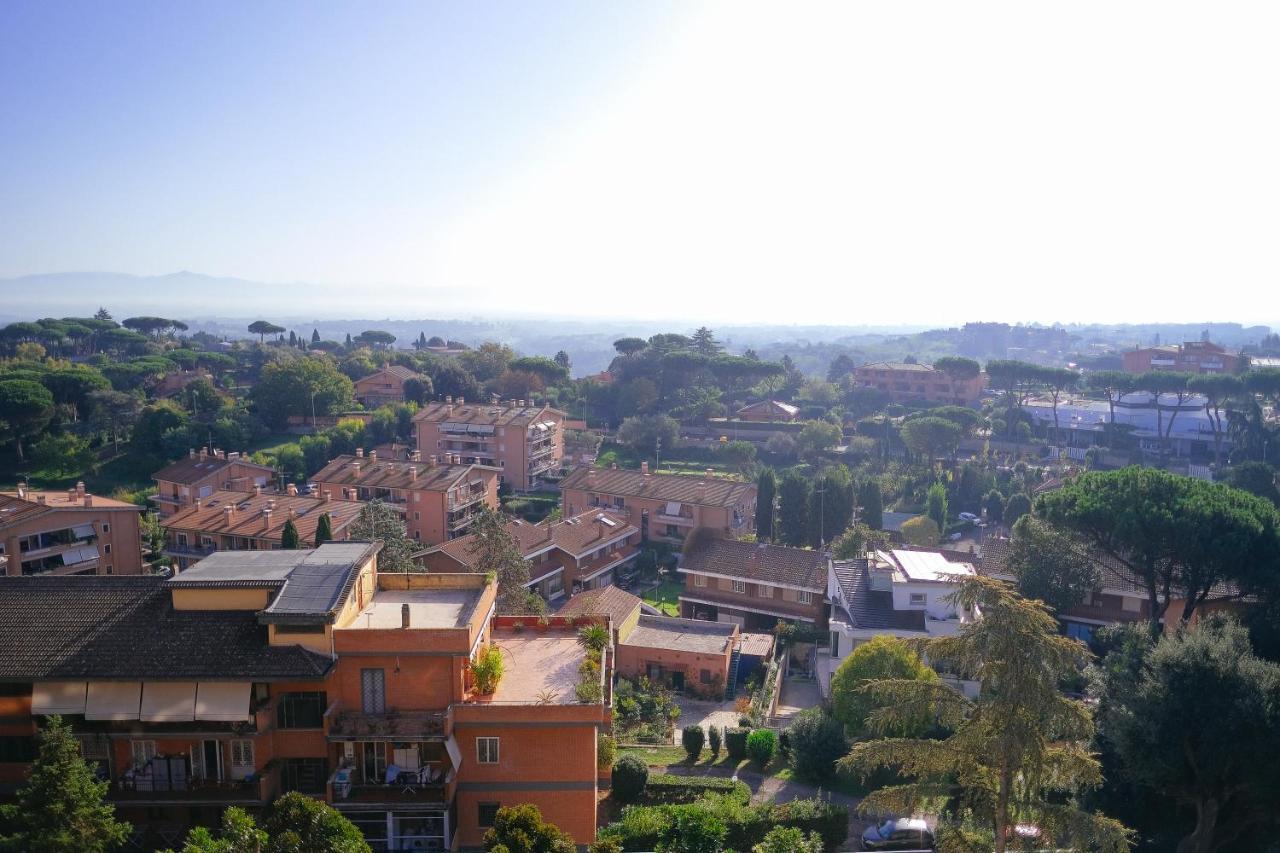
901 593
1084 422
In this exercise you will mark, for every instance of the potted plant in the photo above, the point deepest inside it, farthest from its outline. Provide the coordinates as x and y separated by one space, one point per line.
486 671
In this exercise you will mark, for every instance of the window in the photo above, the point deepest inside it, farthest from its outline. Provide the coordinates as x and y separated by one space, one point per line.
764 590
106 528
305 775
106 549
17 749
740 586
417 516
1131 604
94 747
486 750
242 753
699 580
142 751
299 629
300 710
704 676
918 599
111 569
835 644
805 597
488 814
373 692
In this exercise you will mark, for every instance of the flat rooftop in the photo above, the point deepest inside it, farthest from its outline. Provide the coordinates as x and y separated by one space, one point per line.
428 608
686 635
929 566
538 665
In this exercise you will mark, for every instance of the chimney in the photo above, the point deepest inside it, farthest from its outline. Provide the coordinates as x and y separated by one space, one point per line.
359 452
613 466
404 615
520 403
292 490
198 503
710 472
413 473
415 456
271 503
355 466
204 454
88 500
644 468
227 512
461 402
40 499
191 454
431 460
373 455
80 488
257 490
266 518
71 496
293 513
449 399
326 497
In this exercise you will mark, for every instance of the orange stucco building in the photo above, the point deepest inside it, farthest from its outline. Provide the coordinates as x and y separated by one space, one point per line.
68 533
179 484
523 440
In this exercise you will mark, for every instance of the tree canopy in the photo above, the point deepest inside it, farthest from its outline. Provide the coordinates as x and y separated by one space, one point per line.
1050 565
881 657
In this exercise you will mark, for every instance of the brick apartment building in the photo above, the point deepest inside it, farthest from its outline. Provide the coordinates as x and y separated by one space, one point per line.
384 386
439 498
251 521
919 383
587 551
1189 357
257 673
202 473
666 507
68 533
754 585
525 441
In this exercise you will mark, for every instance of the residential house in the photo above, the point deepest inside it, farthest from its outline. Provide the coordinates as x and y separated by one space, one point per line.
666 507
620 607
260 672
588 551
202 473
251 521
439 498
754 585
384 386
919 383
523 440
68 533
901 593
768 411
685 654
1189 357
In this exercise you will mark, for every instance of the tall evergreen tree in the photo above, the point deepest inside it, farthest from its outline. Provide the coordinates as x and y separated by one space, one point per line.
377 520
315 336
496 552
793 508
766 493
872 504
936 505
324 530
60 807
289 537
705 342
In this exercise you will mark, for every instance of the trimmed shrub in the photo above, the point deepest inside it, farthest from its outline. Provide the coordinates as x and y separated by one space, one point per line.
735 742
816 740
668 789
643 827
630 775
694 831
606 750
761 745
692 738
714 739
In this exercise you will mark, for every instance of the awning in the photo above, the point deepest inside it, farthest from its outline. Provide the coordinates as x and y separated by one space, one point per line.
227 701
673 508
113 700
168 701
75 556
455 754
82 531
58 697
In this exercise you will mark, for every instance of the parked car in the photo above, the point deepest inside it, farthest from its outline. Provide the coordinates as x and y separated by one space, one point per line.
902 833
967 516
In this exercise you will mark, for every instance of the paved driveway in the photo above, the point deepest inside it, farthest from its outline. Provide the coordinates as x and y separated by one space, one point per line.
797 694
704 713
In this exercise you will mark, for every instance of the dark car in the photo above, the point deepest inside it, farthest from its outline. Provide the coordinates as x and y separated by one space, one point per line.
902 833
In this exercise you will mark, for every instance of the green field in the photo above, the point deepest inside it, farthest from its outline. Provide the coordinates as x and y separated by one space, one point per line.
665 597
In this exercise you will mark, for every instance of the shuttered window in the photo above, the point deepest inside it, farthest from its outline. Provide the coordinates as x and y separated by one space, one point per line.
373 695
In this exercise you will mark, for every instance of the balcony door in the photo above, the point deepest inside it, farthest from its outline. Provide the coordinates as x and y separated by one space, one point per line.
373 691
207 757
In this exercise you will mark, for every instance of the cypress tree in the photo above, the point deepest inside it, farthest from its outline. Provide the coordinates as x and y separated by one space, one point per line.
315 336
324 530
872 503
793 509
289 537
766 492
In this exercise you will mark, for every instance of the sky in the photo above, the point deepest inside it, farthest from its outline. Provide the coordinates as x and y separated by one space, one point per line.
859 163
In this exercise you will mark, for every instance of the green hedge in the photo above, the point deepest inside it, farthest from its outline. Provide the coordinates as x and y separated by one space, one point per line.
641 827
669 789
735 742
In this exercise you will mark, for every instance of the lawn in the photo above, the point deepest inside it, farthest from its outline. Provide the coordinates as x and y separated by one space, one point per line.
534 506
665 596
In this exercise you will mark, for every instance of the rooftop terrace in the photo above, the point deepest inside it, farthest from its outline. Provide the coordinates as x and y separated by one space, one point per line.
538 666
428 608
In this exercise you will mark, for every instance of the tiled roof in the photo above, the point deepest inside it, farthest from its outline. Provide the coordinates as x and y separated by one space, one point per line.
617 604
755 644
896 365
868 609
193 469
382 473
15 509
1115 575
770 406
578 536
398 371
493 414
771 564
685 635
107 627
679 488
247 518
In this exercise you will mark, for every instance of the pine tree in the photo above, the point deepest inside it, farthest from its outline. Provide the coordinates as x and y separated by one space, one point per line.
377 520
324 530
102 314
59 808
495 552
766 492
289 537
315 336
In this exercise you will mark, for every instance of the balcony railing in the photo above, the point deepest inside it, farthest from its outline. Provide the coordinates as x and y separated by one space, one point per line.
547 463
541 449
408 791
138 788
464 501
675 519
390 725
456 524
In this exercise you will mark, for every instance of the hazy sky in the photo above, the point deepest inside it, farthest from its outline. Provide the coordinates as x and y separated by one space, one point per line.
854 162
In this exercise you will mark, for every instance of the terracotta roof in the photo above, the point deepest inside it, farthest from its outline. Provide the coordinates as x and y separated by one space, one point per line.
1115 575
617 604
396 474
399 371
15 509
578 536
495 414
755 645
771 564
679 488
896 365
193 469
107 627
771 405
247 518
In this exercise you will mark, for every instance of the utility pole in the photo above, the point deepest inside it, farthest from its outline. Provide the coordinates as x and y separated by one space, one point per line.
657 451
822 511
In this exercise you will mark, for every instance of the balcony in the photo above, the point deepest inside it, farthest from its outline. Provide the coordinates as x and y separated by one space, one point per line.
686 520
171 500
541 466
410 788
463 501
138 788
391 725
542 448
462 522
